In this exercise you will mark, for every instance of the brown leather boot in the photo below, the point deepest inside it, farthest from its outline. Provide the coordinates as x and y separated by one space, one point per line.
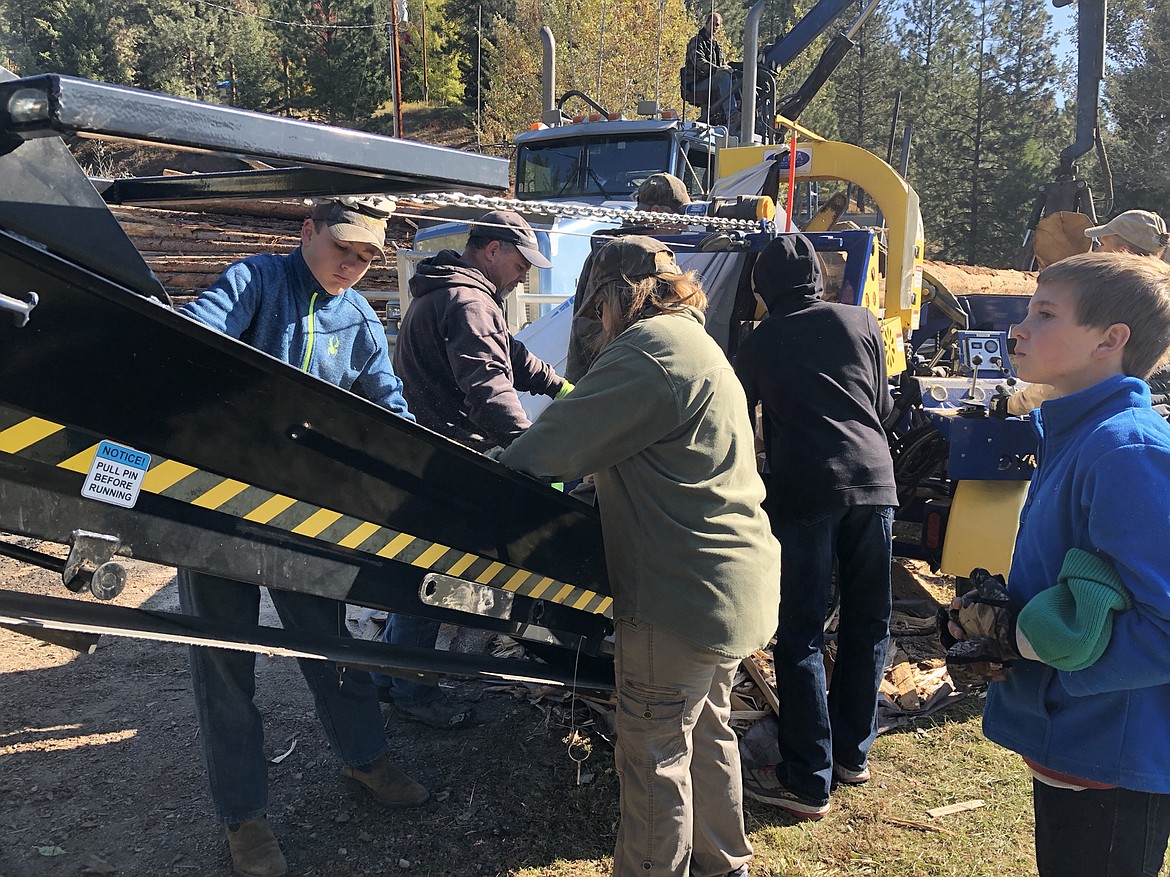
386 784
255 852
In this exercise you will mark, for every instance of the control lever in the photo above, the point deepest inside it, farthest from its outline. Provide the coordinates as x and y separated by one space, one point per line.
976 361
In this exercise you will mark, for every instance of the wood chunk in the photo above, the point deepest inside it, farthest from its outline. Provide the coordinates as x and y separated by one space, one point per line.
760 668
973 804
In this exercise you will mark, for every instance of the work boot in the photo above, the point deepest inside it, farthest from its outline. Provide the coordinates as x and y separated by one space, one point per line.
386 784
254 850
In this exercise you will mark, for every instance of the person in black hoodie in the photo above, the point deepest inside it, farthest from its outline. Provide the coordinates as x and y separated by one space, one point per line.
460 369
818 370
459 364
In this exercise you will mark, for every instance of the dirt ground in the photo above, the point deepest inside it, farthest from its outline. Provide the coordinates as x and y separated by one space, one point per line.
101 770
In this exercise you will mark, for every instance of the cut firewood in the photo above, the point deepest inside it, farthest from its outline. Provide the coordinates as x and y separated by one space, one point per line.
760 668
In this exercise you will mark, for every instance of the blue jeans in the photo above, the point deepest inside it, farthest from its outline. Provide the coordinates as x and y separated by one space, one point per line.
1099 832
408 630
224 683
816 730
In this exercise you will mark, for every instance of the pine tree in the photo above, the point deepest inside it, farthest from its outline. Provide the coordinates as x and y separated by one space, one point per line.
1020 145
444 55
632 49
475 23
76 37
1138 99
939 68
866 85
250 58
335 65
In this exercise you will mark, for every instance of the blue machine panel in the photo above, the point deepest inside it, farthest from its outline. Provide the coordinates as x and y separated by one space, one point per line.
986 448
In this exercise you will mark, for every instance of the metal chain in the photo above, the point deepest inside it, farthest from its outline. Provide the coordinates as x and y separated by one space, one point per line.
578 210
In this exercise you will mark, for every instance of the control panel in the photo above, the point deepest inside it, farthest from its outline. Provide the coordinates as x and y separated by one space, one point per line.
985 353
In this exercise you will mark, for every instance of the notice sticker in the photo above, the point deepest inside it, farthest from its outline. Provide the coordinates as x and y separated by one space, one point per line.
116 475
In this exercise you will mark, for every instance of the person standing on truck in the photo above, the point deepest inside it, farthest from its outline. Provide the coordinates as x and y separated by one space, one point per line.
819 370
707 75
658 193
1075 643
662 421
461 368
302 309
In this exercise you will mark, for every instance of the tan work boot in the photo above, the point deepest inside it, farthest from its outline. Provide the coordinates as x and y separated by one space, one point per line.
255 852
386 784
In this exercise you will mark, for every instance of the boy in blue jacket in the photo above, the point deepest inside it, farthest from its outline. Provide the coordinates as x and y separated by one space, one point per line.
1082 671
302 309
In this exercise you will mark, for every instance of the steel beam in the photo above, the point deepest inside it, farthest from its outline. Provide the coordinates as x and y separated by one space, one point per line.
32 613
37 106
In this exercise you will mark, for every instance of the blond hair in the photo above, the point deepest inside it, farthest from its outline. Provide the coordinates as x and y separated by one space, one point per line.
1120 288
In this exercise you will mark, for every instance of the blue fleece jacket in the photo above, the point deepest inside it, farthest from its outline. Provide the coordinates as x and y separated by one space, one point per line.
1103 485
274 303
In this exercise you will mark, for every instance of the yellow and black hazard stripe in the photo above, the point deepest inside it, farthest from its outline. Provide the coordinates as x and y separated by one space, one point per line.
50 443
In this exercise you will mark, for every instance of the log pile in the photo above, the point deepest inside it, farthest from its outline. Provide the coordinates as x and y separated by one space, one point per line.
188 249
977 280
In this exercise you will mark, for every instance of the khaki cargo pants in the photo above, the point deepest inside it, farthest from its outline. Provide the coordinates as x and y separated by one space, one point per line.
677 758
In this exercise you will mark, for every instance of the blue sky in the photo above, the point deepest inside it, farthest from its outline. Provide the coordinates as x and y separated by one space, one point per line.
1064 19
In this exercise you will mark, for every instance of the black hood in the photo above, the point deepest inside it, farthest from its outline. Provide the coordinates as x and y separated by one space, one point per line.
788 269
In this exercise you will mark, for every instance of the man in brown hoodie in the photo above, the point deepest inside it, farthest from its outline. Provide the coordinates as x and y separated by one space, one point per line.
460 369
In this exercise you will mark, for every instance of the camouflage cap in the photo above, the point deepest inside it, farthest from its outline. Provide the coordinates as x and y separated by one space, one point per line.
629 259
349 224
662 190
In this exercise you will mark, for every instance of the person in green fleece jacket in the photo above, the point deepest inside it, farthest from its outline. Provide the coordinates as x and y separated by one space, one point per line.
661 421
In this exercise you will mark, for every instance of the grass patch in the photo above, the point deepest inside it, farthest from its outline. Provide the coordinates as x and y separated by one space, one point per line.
938 761
428 123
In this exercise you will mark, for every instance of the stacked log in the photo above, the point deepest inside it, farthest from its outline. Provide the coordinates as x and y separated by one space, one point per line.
188 249
977 280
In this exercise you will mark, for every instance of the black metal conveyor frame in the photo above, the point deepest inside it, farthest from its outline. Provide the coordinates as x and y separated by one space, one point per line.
257 472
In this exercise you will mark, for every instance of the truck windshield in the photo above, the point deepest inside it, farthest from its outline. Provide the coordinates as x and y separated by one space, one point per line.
611 166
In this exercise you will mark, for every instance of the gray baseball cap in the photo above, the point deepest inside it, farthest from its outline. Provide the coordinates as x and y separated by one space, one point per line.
351 225
511 228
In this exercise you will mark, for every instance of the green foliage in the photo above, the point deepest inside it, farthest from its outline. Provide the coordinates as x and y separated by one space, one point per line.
866 85
1139 107
337 64
79 38
1022 123
475 23
616 52
445 55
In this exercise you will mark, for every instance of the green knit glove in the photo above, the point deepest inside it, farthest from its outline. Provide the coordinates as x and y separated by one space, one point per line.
565 390
1069 625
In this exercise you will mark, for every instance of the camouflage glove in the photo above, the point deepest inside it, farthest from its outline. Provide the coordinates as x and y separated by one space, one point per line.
988 611
986 619
975 662
997 405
